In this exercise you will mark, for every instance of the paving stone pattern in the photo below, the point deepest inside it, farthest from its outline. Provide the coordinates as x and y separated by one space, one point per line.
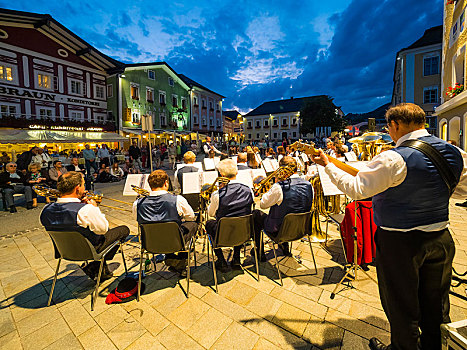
246 314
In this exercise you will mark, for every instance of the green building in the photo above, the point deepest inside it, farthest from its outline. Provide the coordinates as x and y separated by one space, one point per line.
149 89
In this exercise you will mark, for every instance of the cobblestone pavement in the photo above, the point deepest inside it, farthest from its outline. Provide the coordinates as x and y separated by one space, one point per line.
246 314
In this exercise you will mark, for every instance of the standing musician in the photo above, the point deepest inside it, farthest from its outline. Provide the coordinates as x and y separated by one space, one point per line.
207 146
414 249
242 162
73 211
293 195
162 206
233 199
188 158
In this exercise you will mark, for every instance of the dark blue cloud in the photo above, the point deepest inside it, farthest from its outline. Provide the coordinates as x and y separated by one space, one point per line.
252 52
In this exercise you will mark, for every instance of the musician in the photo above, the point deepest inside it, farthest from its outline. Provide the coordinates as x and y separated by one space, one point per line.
162 206
242 162
73 211
280 153
270 154
188 158
207 146
233 199
414 249
331 149
293 195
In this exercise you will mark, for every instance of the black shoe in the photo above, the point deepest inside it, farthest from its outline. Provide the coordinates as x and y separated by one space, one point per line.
376 344
464 204
235 264
262 258
13 209
285 249
222 266
29 206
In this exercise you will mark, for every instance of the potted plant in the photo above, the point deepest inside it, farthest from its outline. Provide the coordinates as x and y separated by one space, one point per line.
454 91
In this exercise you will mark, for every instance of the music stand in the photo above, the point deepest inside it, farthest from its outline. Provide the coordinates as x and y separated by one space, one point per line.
353 266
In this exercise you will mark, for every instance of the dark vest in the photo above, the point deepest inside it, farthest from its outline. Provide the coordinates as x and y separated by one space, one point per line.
234 200
243 167
297 197
423 197
183 170
63 217
161 208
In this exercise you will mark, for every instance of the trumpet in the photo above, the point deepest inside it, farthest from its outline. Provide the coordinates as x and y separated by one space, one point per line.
208 189
45 191
262 185
141 191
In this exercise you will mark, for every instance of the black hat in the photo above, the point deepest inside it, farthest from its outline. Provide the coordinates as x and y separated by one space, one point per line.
126 290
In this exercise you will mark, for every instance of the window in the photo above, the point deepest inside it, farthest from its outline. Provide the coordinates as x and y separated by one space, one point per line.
184 103
203 101
163 119
195 119
211 122
284 122
149 95
171 82
7 110
110 90
135 117
151 75
162 98
249 124
100 118
218 107
266 123
275 135
195 101
294 121
431 65
44 81
430 94
99 92
174 101
76 87
274 122
257 136
459 68
6 73
249 136
218 123
258 125
294 134
76 116
204 121
134 91
211 106
45 113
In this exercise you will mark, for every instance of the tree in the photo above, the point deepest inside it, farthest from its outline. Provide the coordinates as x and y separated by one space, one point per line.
320 111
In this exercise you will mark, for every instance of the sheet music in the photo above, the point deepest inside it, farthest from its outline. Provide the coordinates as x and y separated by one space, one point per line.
329 189
234 158
304 157
275 164
268 166
209 164
199 165
217 160
191 183
245 177
258 158
257 172
140 180
351 156
208 177
300 164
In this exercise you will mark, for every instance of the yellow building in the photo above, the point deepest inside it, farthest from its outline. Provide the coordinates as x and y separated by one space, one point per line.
452 113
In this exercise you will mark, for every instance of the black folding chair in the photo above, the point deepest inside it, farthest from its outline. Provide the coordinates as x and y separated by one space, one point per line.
231 232
73 246
294 227
163 238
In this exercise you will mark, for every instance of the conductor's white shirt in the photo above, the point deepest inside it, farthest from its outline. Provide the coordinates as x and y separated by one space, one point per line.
275 195
89 216
183 208
388 169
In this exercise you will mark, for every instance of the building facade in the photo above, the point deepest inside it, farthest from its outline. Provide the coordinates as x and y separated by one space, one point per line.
452 113
417 74
232 125
50 79
206 109
149 89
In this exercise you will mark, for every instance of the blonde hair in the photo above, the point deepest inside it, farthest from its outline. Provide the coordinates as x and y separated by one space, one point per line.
242 157
227 168
34 165
189 157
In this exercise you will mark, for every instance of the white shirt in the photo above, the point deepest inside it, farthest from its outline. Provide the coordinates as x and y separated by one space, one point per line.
117 172
214 204
89 216
207 147
37 159
275 195
388 169
183 208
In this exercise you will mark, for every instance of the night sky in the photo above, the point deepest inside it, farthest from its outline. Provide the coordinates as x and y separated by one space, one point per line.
256 51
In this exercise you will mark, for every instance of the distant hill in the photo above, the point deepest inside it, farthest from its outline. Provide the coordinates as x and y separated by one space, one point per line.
378 113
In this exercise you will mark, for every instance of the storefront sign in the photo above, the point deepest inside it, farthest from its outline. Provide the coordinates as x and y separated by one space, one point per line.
69 128
49 96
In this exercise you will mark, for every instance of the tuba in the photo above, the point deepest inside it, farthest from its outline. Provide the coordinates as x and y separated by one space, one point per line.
262 185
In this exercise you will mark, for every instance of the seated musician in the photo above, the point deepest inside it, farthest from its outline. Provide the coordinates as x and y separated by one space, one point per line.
73 211
189 159
241 162
233 199
293 195
162 206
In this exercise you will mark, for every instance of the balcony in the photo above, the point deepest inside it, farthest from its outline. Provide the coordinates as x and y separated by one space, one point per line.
284 126
150 101
21 121
258 127
249 127
275 126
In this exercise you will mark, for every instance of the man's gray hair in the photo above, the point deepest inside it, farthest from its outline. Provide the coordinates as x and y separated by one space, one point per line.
11 163
227 168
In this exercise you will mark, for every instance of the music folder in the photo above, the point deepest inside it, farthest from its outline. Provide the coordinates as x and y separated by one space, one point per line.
209 164
140 180
329 189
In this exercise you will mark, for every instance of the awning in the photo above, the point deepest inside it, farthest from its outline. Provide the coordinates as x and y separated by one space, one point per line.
52 136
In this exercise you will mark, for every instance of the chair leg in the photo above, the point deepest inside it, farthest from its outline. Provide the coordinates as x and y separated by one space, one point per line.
326 237
140 272
53 283
188 263
256 259
93 299
213 264
277 263
124 261
312 254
